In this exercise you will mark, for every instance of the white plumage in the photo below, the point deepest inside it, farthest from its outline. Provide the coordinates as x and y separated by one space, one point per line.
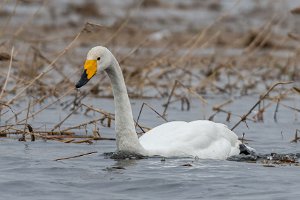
202 138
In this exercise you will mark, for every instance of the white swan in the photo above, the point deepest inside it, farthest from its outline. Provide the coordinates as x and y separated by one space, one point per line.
202 138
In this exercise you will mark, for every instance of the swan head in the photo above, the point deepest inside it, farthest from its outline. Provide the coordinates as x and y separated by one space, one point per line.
98 59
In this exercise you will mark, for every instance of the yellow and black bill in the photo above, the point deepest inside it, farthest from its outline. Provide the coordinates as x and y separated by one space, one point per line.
90 69
83 80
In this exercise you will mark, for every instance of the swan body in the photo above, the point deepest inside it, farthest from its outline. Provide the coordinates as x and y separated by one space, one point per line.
203 139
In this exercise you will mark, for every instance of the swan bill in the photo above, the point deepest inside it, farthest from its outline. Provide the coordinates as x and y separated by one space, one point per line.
83 80
90 69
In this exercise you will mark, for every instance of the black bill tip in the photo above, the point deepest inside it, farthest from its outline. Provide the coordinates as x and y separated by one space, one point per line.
83 80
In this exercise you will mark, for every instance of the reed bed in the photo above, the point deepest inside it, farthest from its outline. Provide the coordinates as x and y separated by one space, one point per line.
41 57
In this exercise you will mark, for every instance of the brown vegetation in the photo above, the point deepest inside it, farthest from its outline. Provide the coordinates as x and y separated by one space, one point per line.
38 63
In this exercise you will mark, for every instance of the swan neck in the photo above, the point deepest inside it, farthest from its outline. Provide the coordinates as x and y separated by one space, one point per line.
126 136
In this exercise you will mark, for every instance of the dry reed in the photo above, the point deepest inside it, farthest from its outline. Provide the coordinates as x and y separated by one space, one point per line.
177 71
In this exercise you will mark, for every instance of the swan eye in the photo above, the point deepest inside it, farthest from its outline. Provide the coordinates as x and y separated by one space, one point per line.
98 58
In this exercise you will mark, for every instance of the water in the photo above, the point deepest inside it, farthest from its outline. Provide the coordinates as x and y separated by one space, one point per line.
28 173
28 169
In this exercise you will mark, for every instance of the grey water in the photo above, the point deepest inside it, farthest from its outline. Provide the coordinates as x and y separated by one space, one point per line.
28 170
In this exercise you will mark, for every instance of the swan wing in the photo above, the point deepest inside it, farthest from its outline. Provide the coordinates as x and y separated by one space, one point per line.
201 138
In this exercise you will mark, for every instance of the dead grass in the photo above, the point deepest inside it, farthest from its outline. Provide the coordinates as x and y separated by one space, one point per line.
211 59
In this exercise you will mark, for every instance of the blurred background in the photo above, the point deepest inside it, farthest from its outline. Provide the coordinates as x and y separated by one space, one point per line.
155 40
225 53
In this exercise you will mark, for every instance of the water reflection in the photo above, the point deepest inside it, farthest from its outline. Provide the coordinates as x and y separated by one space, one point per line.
121 165
27 148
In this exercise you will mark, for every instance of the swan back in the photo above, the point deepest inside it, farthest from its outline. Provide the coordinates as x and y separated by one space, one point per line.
202 138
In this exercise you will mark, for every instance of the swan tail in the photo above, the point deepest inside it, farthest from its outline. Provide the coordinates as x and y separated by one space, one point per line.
246 150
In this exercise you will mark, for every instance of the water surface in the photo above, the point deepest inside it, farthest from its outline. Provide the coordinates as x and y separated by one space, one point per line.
28 169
